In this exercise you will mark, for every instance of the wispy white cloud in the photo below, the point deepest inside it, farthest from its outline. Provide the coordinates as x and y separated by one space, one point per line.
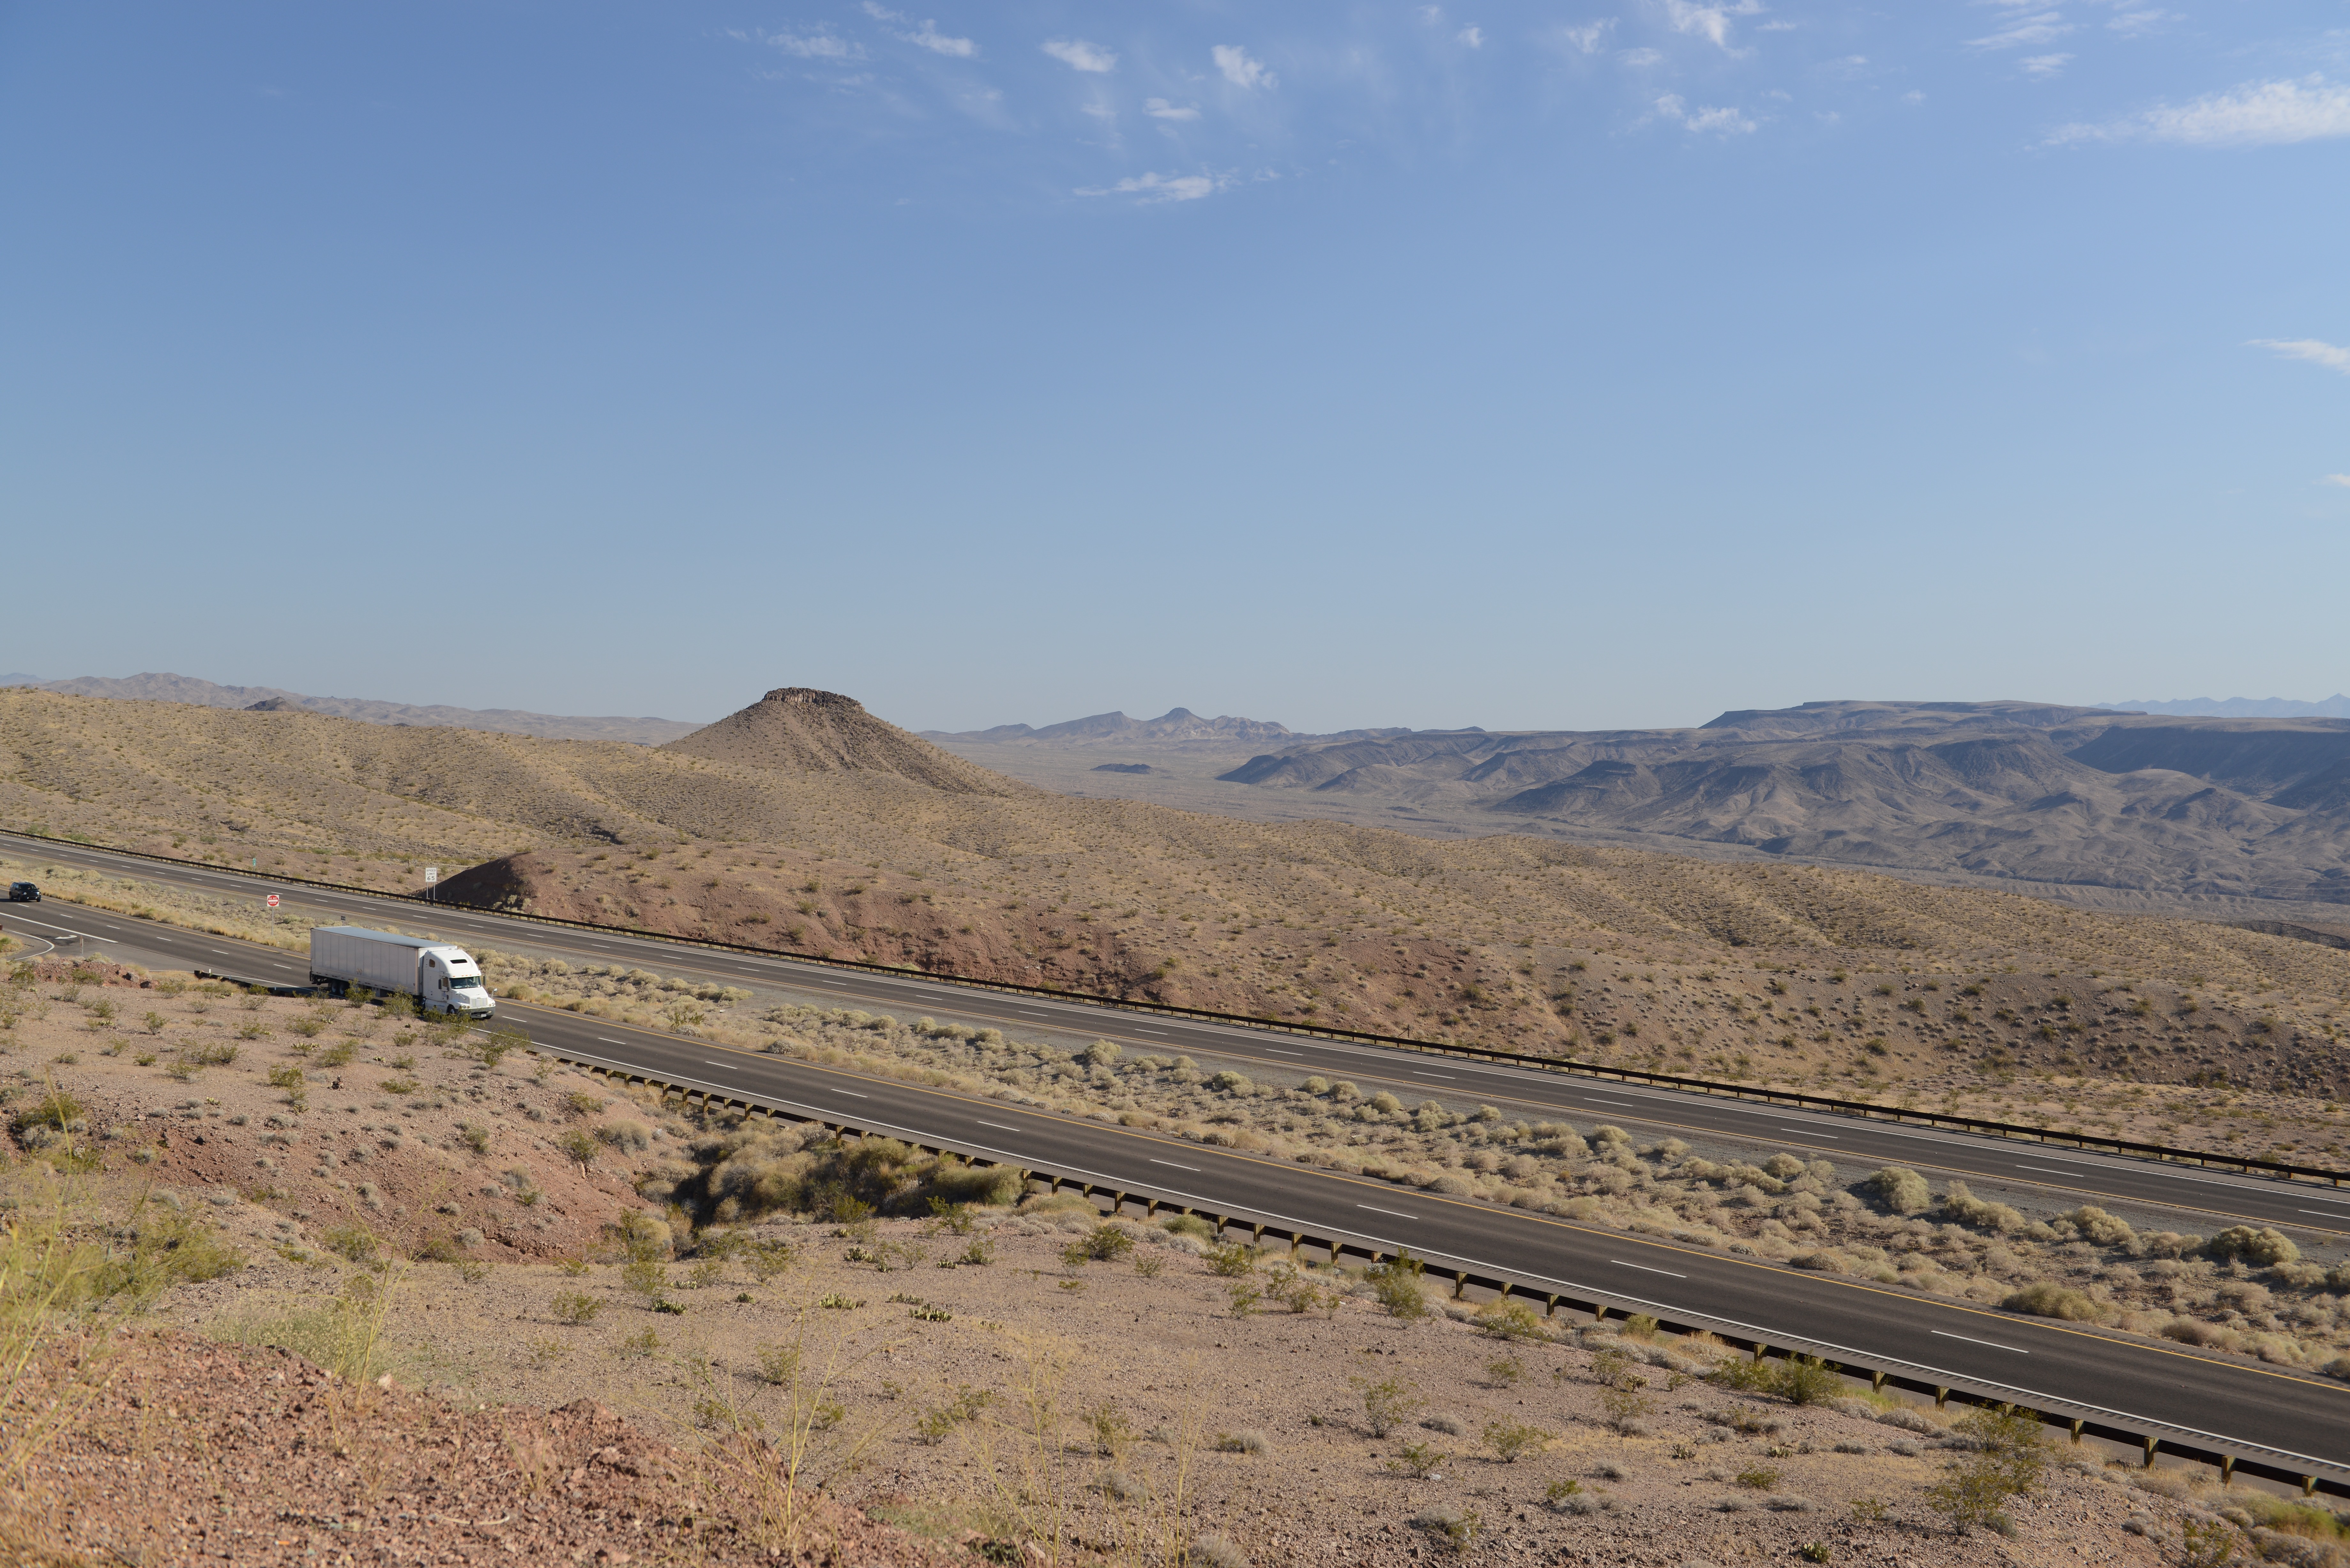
928 36
1640 57
2024 31
1160 108
2040 68
2341 479
1586 38
1151 189
2314 350
2130 24
818 46
1241 70
1711 23
1472 37
2259 114
1721 121
1080 56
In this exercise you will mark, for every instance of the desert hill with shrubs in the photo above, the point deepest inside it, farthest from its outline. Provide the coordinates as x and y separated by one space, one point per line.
1821 975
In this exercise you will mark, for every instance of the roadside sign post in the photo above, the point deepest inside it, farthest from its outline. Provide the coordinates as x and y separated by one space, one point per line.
432 876
273 901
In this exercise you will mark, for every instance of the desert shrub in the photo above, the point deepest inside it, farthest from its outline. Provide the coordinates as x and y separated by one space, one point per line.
1799 1379
2263 1247
1247 1441
1104 1244
339 1054
581 1104
629 1136
1397 1284
576 1307
2007 1461
1965 1208
1456 1528
1513 1440
2095 1225
1233 1260
578 1147
1388 1404
2044 1298
353 1242
1419 1460
1901 1190
1214 1550
1507 1318
756 1169
55 1109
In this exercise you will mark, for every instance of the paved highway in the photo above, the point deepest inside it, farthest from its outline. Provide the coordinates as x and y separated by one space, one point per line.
2071 1175
2296 1420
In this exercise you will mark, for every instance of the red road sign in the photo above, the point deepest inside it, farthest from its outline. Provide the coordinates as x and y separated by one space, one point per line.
273 901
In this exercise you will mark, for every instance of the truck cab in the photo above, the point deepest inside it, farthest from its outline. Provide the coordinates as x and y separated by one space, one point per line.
449 981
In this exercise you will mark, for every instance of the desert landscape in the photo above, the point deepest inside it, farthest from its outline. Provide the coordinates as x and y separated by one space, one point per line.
701 1296
455 1298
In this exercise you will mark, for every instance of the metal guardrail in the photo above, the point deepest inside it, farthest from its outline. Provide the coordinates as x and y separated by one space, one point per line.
1862 1109
2149 1439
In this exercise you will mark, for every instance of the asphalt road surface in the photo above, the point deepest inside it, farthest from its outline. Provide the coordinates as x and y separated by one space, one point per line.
2297 1421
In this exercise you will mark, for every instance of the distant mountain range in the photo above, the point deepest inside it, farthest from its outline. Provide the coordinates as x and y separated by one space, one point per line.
2334 707
1177 726
2197 805
167 688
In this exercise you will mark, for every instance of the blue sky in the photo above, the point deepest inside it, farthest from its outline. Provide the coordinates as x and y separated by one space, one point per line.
1559 365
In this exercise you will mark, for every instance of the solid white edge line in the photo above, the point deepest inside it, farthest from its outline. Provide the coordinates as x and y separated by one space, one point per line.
1944 1334
1002 1127
1397 1213
1172 1165
1646 1270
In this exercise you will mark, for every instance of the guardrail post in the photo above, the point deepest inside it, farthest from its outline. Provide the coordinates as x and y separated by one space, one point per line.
2077 1425
1505 1291
1257 1234
1942 1398
2151 1444
1877 1385
1151 1208
1459 1282
2309 1486
2227 1469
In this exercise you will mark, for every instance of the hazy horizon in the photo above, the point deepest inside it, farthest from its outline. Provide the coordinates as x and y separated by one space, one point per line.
1416 366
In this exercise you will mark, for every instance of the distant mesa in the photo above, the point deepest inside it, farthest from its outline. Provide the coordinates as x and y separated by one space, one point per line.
800 730
273 705
2334 707
1123 768
1176 727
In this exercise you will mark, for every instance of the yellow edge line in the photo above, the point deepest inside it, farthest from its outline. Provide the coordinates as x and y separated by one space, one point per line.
1626 1238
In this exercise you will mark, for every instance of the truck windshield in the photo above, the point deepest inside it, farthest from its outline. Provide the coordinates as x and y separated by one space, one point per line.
462 981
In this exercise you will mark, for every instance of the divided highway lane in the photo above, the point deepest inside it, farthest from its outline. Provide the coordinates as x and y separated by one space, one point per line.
2082 1177
2289 1419
2292 1420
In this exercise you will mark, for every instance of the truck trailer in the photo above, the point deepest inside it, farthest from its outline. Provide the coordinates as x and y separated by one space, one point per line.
442 978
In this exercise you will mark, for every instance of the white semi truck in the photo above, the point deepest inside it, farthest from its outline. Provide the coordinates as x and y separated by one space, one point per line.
442 978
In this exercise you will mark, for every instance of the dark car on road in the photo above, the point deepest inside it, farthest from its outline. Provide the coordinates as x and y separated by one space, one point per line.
24 893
